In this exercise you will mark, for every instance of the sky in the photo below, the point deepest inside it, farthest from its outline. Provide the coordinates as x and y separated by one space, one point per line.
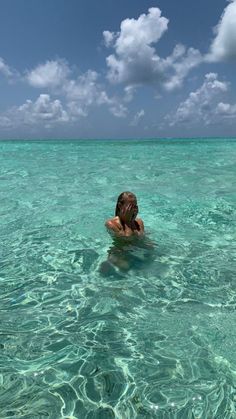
117 69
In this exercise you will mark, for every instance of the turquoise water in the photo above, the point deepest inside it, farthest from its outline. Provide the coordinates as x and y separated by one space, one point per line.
153 339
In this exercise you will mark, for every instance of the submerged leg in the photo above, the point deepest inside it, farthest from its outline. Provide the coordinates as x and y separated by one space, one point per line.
120 261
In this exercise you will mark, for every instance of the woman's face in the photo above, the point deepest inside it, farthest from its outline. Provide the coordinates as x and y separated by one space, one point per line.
129 210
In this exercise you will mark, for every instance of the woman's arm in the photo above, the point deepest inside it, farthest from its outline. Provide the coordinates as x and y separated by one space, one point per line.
113 227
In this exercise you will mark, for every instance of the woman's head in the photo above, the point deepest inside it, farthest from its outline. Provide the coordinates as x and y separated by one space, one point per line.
123 200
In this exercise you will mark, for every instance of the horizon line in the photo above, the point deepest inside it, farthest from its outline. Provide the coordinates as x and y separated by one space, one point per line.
120 139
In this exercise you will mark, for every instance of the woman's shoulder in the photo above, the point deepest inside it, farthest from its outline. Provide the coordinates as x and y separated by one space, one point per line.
114 224
140 223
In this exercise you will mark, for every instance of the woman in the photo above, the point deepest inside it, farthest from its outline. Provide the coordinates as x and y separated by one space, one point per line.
125 223
126 230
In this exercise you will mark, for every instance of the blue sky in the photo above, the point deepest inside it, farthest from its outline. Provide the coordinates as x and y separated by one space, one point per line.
127 69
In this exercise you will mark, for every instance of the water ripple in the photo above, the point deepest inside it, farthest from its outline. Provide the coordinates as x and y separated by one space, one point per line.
95 328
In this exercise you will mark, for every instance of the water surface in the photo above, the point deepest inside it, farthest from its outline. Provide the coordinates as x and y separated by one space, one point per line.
155 338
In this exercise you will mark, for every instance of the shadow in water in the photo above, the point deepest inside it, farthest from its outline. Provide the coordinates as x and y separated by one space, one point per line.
128 253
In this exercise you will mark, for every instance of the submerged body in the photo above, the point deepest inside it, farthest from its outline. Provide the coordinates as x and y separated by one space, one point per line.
128 235
133 251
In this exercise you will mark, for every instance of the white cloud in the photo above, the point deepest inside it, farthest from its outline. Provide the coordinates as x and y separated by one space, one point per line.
226 111
5 69
136 62
129 93
182 60
85 90
201 106
118 109
51 74
140 114
141 32
11 74
5 121
108 38
81 93
224 45
43 109
44 112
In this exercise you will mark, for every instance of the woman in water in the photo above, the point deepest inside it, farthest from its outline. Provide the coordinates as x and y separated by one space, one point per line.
125 223
127 230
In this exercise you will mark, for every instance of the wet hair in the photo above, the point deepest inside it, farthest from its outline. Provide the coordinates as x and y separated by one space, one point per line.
123 198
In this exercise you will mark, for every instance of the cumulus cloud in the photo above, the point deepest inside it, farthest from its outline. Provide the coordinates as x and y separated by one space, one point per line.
11 74
140 114
129 92
5 121
84 91
49 74
43 112
224 44
135 60
108 38
181 62
5 69
43 109
202 105
80 93
226 111
118 109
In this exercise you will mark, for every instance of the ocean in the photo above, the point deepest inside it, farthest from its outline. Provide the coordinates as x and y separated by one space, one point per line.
153 336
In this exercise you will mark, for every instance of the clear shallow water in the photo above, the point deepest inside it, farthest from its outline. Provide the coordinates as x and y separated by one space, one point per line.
154 339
